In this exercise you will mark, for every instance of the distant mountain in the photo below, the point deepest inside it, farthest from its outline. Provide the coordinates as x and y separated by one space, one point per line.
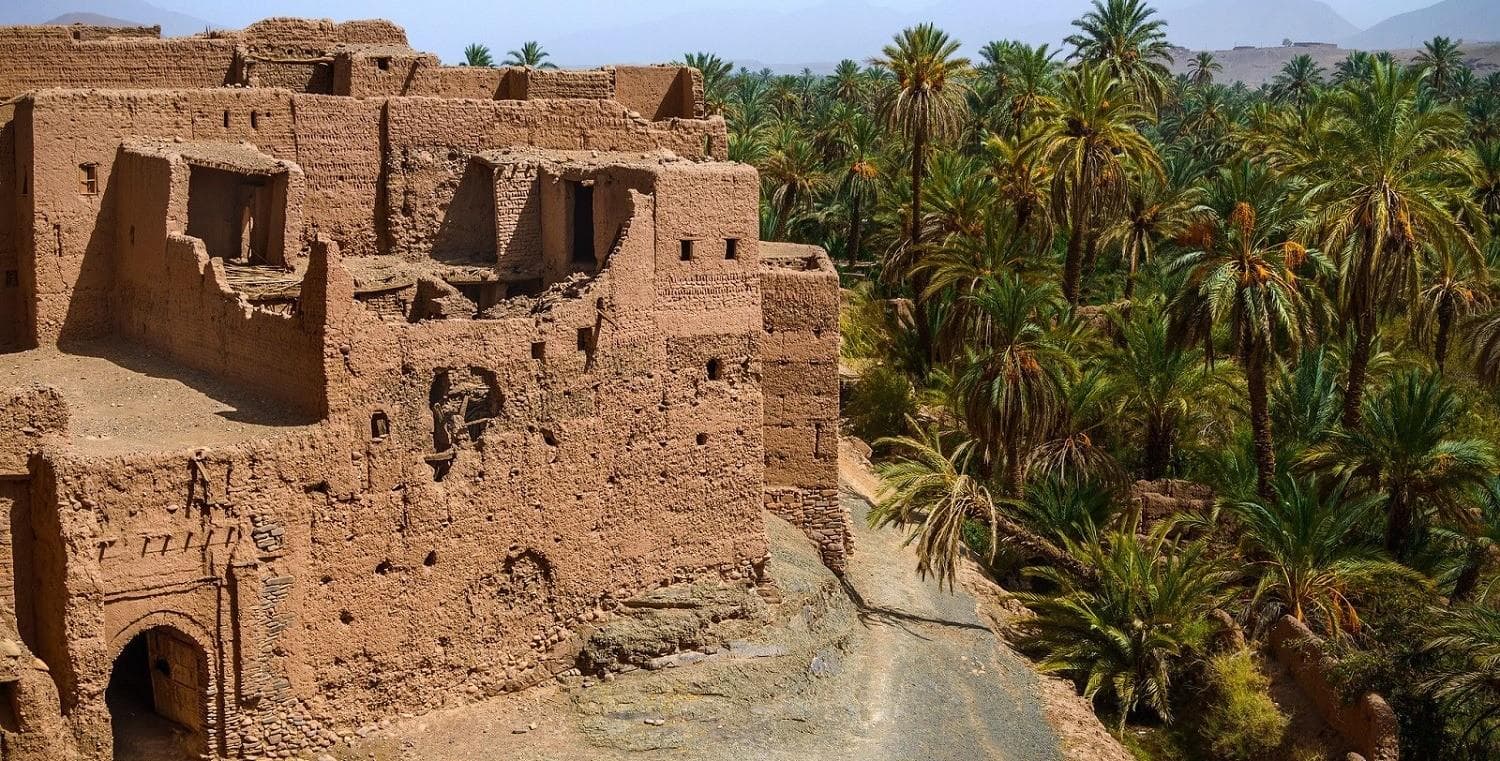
1469 20
138 12
91 19
1224 24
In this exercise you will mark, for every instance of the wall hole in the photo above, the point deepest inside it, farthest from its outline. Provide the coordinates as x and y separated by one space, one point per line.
431 559
702 439
585 339
254 120
346 617
380 426
686 252
384 567
731 248
226 118
384 64
538 349
549 437
715 369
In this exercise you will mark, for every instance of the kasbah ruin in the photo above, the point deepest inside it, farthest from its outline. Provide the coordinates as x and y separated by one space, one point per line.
336 382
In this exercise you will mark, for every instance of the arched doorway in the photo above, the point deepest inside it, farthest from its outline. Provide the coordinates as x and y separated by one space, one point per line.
157 696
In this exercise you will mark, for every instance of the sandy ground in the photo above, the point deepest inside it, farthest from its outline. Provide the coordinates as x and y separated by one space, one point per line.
883 665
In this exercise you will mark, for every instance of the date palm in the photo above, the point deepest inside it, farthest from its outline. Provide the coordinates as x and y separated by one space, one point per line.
1163 389
478 55
1442 58
1245 280
1453 293
1408 449
1202 68
1088 142
715 73
1467 678
1122 38
1127 636
1009 382
1155 208
1387 177
1310 556
1032 84
1022 182
847 82
861 144
1299 81
531 55
796 174
932 487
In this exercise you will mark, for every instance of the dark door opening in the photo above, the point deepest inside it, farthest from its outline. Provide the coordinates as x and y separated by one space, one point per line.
583 224
156 699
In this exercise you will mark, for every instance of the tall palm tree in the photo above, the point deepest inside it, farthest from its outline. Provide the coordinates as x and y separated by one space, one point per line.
1126 636
926 101
1299 80
1245 279
1442 58
1310 556
847 82
1021 181
1387 177
1009 383
796 174
531 55
1201 69
1033 84
932 486
478 55
1467 679
861 148
1089 141
1122 37
1408 450
716 73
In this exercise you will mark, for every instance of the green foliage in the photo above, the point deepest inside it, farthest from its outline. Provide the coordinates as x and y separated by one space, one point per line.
478 55
880 404
1241 722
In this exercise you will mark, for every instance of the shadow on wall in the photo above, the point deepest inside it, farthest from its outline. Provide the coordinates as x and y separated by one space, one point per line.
466 234
88 315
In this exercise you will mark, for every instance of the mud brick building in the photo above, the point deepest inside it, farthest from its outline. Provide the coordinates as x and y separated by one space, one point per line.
335 382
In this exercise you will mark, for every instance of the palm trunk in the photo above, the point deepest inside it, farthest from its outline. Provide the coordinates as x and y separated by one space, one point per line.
783 213
856 227
1445 325
1158 454
1073 264
1397 524
1359 370
1134 264
919 282
1468 578
1254 359
1037 546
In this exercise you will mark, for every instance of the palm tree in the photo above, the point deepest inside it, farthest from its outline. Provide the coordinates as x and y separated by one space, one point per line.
1009 383
1305 402
797 174
926 101
1032 86
1245 279
1452 294
1162 388
1121 37
1156 207
1407 449
1089 142
932 487
1021 181
1442 58
716 73
531 55
1467 679
1310 556
1388 176
478 55
1201 69
1125 636
847 82
861 147
1299 81
1355 67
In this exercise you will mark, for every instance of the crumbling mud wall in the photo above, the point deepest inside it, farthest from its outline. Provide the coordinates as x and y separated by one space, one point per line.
799 351
441 379
1368 724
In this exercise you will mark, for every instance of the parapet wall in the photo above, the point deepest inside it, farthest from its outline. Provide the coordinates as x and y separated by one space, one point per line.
798 351
1368 724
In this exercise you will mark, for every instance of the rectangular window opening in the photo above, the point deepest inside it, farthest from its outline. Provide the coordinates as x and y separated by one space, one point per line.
687 250
538 349
583 223
731 248
585 339
88 179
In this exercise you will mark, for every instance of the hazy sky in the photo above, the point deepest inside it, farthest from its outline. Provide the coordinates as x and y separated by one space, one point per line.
589 32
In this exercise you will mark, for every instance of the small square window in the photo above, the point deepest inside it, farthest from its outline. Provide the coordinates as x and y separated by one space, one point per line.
384 64
538 349
687 250
88 179
731 248
585 339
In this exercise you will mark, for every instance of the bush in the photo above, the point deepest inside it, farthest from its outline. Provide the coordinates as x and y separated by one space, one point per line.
880 403
1241 722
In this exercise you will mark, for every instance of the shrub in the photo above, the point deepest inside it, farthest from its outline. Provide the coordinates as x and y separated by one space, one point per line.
1241 722
880 403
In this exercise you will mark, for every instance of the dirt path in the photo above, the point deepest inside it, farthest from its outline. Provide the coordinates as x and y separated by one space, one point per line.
881 665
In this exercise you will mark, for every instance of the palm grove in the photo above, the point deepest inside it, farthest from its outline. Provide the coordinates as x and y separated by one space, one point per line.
1069 270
